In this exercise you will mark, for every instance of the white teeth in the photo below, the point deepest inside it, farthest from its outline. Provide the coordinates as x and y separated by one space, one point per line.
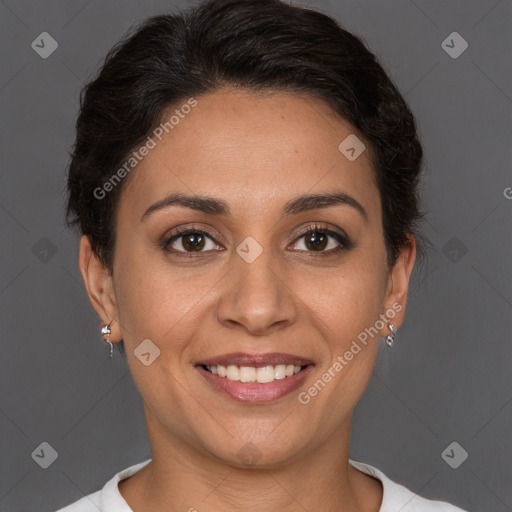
262 374
233 372
280 371
247 374
265 374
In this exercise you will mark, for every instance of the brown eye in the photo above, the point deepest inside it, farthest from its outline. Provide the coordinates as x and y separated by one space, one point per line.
322 240
316 241
193 242
190 241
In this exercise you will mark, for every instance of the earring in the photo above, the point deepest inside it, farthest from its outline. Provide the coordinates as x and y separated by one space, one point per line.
390 338
105 332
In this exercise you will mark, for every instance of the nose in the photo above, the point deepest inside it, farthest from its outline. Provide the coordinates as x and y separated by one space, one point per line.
257 296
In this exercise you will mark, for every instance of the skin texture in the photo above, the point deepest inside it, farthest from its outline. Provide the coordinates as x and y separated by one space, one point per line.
255 152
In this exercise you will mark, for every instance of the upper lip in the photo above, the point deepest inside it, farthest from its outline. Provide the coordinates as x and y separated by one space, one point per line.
246 359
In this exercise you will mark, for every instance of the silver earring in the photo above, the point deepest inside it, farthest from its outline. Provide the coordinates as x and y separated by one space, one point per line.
105 332
390 338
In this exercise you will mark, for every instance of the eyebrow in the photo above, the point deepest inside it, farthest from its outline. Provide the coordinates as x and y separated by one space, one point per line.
297 205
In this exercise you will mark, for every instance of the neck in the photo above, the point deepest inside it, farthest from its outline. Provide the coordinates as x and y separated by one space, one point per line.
183 477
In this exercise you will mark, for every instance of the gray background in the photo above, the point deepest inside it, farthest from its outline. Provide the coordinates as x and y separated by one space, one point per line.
448 377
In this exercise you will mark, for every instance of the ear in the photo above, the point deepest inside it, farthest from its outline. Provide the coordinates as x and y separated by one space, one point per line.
99 284
398 284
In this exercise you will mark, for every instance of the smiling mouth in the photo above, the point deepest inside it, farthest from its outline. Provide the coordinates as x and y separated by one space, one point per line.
256 378
253 374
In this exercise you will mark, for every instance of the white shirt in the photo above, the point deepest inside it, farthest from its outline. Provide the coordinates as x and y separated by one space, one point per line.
396 498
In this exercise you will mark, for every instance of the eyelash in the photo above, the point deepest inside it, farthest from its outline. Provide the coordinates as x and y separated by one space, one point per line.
343 240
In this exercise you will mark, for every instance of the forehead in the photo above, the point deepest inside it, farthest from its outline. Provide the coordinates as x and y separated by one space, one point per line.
258 149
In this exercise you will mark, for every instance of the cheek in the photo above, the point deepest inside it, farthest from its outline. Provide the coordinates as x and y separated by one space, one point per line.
153 304
347 300
140 297
345 311
156 301
346 307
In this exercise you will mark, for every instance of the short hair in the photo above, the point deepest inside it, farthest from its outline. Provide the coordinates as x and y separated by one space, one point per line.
256 45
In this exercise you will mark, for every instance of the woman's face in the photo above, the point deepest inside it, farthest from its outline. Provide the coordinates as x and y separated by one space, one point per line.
251 283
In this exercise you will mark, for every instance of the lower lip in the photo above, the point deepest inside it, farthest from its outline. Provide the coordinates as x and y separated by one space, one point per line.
254 392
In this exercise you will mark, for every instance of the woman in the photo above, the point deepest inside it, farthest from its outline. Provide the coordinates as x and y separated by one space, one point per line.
245 182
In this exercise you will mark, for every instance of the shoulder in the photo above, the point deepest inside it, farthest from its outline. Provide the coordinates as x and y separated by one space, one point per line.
397 497
107 499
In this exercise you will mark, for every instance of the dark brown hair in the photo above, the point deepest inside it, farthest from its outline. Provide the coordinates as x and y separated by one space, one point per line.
258 45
